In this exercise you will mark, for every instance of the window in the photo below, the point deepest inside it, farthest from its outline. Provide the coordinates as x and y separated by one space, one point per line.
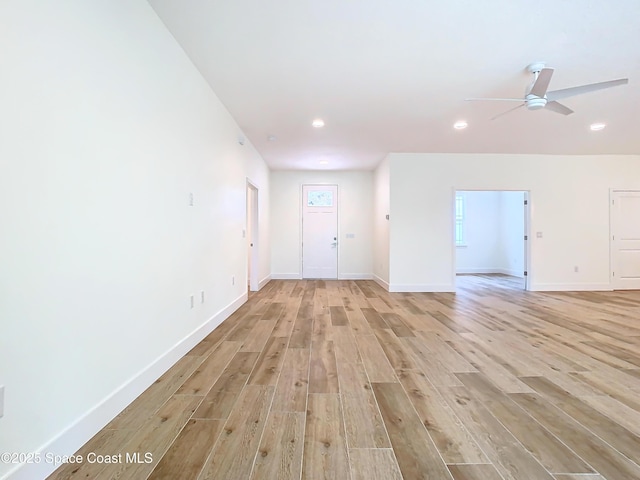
320 198
459 218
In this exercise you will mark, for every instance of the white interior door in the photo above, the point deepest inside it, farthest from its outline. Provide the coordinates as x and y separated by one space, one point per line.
252 236
320 231
625 239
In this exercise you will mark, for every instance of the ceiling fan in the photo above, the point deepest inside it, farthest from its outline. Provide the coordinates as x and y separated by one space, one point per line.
536 95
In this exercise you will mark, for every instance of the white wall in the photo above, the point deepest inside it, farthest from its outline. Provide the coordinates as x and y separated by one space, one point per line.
355 215
569 198
482 234
512 254
381 223
106 127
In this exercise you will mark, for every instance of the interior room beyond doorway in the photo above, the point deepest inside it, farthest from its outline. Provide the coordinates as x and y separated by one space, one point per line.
489 235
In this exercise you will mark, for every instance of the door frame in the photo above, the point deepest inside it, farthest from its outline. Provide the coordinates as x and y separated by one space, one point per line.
252 240
528 282
301 207
612 192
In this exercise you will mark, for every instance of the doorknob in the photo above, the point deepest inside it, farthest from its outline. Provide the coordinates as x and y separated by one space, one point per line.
334 244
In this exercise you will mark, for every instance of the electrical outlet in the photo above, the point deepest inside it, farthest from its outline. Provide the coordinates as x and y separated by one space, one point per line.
575 269
233 280
191 199
201 296
193 301
1 401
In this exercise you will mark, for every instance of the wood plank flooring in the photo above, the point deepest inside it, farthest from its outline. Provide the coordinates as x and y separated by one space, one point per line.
343 380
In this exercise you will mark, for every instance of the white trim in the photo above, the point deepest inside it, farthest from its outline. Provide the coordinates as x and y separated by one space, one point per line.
286 276
528 244
452 240
264 281
464 271
612 279
571 287
355 276
503 271
84 428
398 287
462 219
381 282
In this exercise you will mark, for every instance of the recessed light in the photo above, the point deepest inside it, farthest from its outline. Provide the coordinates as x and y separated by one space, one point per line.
460 125
597 126
318 123
324 162
271 138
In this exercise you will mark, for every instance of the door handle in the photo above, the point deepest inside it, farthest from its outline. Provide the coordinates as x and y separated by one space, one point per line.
334 244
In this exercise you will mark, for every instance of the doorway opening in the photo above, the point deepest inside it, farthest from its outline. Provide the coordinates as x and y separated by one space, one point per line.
491 239
253 283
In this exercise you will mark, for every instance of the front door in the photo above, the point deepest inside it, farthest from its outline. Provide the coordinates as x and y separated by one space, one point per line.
625 239
320 231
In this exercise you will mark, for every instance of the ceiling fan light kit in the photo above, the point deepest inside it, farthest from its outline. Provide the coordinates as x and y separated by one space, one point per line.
537 96
535 103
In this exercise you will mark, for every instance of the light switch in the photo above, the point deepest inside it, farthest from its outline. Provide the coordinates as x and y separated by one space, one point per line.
538 234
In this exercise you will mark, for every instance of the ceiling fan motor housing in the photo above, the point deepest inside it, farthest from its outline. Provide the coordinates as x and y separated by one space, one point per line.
534 102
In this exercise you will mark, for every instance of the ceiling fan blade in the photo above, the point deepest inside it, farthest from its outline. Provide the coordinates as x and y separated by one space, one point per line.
570 92
508 111
539 88
493 99
558 108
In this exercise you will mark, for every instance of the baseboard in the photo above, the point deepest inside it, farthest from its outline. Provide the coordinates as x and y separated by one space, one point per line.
512 273
83 429
264 281
398 287
286 276
569 287
471 271
341 276
480 271
503 271
384 284
355 276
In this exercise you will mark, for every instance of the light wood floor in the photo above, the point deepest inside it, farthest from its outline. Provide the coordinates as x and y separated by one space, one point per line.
341 379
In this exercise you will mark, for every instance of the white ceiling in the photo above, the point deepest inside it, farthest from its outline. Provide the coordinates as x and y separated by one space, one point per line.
392 75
